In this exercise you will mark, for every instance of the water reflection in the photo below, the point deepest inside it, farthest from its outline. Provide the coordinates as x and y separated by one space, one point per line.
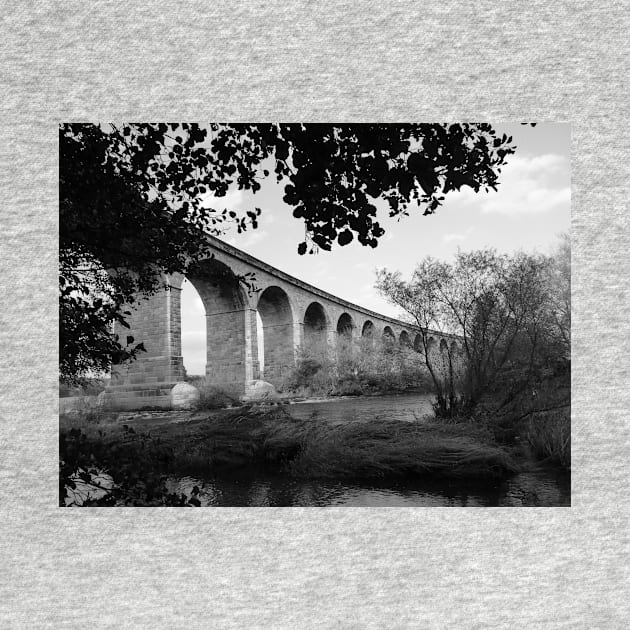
538 488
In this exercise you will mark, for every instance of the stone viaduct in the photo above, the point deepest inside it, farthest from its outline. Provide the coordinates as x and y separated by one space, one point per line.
295 315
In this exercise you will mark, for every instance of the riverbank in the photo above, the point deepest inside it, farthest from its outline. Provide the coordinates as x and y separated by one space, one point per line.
139 450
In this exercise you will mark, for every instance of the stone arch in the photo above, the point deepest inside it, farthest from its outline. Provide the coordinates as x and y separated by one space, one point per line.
316 325
276 314
404 339
345 334
193 330
230 324
368 335
388 339
368 329
417 343
345 325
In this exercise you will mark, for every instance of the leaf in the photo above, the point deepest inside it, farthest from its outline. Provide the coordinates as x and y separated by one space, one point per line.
345 237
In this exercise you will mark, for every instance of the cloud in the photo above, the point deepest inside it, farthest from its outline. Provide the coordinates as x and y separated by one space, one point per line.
457 237
528 185
232 200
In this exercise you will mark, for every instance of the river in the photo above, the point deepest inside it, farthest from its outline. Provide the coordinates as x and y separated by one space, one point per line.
537 487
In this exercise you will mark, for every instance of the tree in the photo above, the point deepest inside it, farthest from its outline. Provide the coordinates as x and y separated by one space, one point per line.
132 202
559 312
497 304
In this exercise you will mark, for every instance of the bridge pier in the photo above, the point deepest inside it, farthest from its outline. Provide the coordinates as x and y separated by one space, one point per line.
147 381
233 360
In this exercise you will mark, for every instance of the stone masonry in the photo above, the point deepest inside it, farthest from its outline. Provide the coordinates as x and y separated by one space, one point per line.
294 314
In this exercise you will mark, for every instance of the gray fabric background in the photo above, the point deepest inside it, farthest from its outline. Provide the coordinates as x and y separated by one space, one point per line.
328 568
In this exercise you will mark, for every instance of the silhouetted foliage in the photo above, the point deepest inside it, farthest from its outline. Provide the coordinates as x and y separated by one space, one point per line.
107 472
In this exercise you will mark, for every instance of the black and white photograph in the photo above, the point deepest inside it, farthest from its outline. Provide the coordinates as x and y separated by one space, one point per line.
315 315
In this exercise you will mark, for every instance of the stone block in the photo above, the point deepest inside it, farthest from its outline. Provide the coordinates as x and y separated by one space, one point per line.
262 390
184 396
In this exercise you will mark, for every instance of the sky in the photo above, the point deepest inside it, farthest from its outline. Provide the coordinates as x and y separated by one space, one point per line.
530 209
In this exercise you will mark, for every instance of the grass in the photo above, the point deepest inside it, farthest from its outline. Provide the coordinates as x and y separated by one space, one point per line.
269 438
397 449
536 417
549 436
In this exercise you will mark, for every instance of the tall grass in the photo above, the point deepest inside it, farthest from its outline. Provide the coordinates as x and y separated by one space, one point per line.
549 435
382 449
270 438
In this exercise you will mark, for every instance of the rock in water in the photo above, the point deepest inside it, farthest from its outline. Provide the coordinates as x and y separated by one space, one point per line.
184 396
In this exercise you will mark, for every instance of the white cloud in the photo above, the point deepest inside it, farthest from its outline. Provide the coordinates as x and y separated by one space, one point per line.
531 185
457 237
528 185
528 200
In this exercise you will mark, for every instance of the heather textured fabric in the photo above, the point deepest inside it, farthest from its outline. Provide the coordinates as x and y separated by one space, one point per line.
295 567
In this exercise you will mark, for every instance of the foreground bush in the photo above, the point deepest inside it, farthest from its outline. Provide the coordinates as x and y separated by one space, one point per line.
84 387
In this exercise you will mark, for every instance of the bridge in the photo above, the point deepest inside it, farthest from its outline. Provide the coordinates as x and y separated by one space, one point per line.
295 316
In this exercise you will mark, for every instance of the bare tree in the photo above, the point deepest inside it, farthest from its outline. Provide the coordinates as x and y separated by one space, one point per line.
498 305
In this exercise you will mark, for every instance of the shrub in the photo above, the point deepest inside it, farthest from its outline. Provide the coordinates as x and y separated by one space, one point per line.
215 396
86 387
549 435
355 369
